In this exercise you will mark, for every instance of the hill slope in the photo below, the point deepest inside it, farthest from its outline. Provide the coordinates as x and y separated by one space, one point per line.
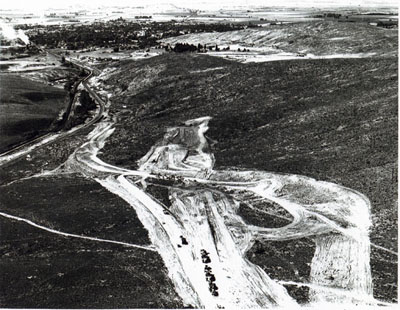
27 108
334 120
316 37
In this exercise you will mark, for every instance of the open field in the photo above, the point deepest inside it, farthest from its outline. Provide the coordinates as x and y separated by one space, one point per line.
28 108
208 13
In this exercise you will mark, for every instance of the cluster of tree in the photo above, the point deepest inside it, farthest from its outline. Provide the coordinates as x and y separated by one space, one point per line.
328 15
388 24
184 47
72 82
82 36
200 48
14 52
81 111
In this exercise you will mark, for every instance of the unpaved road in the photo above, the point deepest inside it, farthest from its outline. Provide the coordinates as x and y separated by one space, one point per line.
203 241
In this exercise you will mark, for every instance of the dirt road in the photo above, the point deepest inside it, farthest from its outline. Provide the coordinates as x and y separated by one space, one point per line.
202 239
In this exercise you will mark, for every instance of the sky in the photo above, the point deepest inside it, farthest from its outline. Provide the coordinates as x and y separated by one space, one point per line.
38 5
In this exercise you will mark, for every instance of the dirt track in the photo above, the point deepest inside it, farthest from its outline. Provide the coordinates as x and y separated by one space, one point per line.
203 212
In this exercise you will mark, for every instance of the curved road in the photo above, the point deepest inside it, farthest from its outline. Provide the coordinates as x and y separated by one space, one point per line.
203 212
43 140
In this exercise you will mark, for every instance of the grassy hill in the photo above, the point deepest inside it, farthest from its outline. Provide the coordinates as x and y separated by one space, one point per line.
27 108
332 119
316 37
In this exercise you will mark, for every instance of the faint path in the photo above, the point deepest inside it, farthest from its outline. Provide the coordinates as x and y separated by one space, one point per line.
16 218
384 249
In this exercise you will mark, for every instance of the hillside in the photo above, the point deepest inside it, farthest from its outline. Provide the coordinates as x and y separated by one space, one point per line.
45 270
332 119
318 38
27 109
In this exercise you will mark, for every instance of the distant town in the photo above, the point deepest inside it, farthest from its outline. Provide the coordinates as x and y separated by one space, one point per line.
119 34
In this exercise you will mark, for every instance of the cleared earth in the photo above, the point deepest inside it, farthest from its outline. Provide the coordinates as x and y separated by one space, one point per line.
333 124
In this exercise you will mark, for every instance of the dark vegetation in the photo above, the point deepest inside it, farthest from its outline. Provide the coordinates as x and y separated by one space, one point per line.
381 19
82 107
48 157
31 109
14 52
388 24
286 261
199 48
27 109
44 270
260 219
106 216
161 193
333 120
